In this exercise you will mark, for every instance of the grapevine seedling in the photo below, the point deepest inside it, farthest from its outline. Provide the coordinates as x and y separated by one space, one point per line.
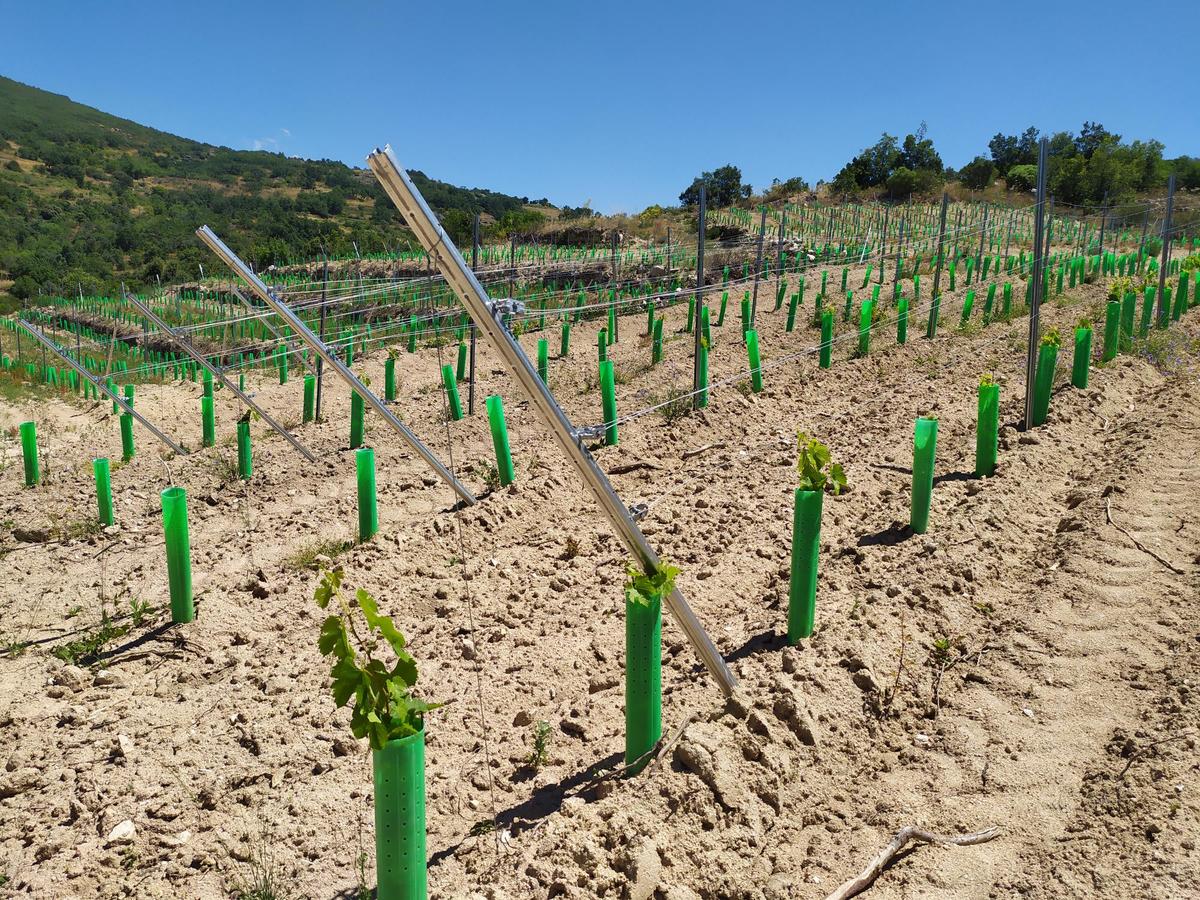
1051 338
816 468
987 380
384 708
541 746
642 588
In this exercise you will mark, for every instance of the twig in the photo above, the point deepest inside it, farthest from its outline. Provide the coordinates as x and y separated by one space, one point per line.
875 867
688 454
1136 542
1142 751
632 467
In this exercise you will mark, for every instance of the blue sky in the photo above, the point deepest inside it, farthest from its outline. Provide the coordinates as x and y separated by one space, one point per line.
617 103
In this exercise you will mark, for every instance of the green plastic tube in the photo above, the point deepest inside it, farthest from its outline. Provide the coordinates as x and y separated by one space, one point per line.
543 360
104 500
1147 312
456 409
706 326
968 305
702 368
399 780
1112 330
745 317
657 342
826 359
245 455
756 383
643 679
389 380
649 319
987 430
924 450
460 367
127 448
281 361
208 383
129 394
934 310
612 335
565 345
310 397
988 302
179 554
721 312
608 397
368 510
1044 382
691 319
601 345
806 542
504 463
864 327
849 305
793 302
1006 311
902 320
356 421
1083 357
208 422
29 452
1128 315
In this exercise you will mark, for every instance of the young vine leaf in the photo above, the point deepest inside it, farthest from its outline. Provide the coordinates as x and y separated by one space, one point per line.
644 589
816 468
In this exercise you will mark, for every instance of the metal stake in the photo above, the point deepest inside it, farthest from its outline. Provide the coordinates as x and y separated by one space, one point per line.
1163 312
1035 293
699 304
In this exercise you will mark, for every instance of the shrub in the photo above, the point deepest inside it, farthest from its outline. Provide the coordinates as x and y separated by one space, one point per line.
1152 247
978 174
1021 178
1190 263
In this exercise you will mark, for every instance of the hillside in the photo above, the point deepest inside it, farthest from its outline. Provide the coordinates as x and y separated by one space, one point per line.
87 197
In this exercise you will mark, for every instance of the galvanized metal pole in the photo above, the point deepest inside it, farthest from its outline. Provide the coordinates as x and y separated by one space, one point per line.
420 218
982 234
941 246
99 385
474 330
318 346
699 302
668 249
883 236
320 359
220 375
1142 240
762 231
1103 219
1035 292
1163 312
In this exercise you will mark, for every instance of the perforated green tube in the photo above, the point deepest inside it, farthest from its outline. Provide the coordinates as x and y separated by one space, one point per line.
691 319
924 450
208 422
608 397
129 394
1007 306
989 303
310 397
793 302
643 678
208 383
368 510
179 554
104 500
29 453
864 327
389 379
705 326
702 371
245 456
806 542
1083 357
460 366
504 464
968 305
826 355
987 430
356 421
1044 382
657 341
565 345
281 361
399 780
756 383
543 360
612 335
902 320
456 410
1147 312
601 346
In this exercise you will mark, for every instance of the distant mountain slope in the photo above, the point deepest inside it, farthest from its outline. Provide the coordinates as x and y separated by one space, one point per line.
87 197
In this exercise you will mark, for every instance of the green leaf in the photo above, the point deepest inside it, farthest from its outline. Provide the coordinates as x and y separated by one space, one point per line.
333 638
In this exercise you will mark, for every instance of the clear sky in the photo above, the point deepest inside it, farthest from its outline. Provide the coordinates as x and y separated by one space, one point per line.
614 102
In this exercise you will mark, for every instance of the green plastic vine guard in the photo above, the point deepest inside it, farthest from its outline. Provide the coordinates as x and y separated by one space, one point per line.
104 501
29 453
987 430
806 542
389 380
208 422
1147 312
756 383
310 397
398 772
460 365
1113 331
656 342
456 410
356 421
129 394
1007 305
691 319
179 554
924 450
1083 357
989 302
902 320
793 302
745 317
968 305
702 372
368 510
643 679
565 345
706 326
826 357
601 345
208 383
245 455
504 463
127 448
864 327
1044 382
613 323
543 360
608 397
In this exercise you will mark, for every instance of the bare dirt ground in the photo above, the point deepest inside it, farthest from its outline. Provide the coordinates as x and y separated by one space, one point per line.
1061 707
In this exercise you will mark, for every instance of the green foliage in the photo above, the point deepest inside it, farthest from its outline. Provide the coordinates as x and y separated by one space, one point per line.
780 190
978 174
1190 263
674 405
987 380
722 186
914 164
642 588
816 468
541 746
1119 287
1021 178
90 646
1051 338
383 706
1152 247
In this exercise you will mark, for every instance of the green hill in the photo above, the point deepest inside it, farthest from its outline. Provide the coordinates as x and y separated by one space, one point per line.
90 198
